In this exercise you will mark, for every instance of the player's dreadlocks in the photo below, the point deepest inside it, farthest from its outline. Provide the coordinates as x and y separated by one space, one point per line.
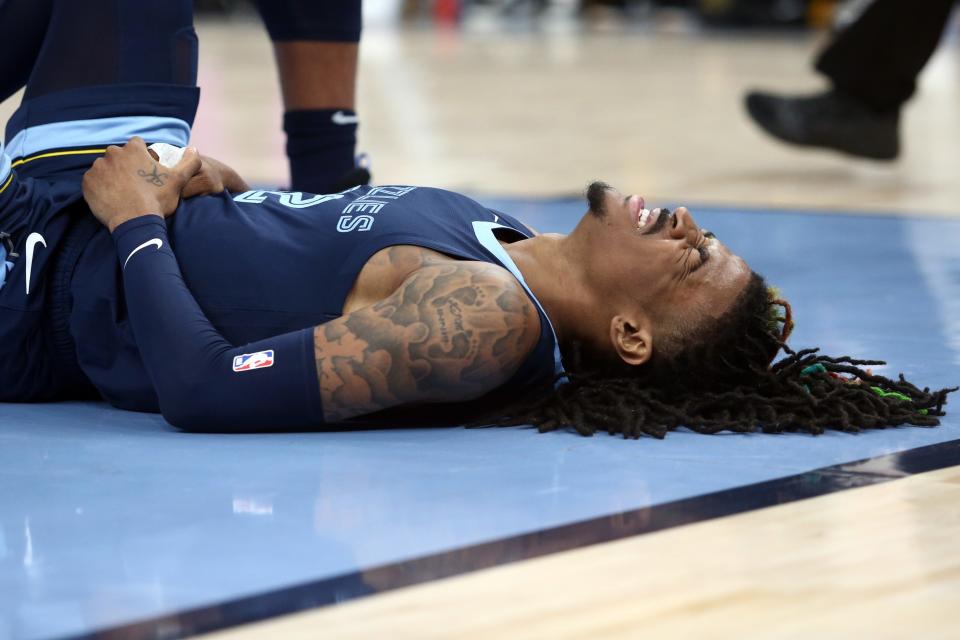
723 380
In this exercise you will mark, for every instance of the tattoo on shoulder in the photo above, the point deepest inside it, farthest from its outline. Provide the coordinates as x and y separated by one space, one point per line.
153 177
450 332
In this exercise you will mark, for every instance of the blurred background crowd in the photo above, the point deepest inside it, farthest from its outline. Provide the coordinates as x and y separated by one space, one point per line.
741 13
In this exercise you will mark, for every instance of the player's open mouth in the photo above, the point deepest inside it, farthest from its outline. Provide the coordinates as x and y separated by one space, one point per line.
635 205
643 218
654 220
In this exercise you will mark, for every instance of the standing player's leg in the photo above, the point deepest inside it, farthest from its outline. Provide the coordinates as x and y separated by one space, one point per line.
101 42
23 24
316 46
107 70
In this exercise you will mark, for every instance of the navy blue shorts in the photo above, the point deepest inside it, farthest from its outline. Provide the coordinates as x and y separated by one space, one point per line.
49 226
96 73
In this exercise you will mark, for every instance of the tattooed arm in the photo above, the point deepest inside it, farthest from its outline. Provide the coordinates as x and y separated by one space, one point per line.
452 331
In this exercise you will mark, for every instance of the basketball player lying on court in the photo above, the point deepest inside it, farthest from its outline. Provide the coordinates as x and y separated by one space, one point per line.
424 296
257 310
267 310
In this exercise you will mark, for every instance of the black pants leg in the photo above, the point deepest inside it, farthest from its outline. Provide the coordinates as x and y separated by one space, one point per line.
877 59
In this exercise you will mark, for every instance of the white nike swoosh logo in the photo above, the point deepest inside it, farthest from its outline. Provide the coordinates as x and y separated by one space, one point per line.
32 241
342 118
157 242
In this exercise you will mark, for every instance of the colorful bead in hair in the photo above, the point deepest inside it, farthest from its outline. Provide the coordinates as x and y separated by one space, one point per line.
782 325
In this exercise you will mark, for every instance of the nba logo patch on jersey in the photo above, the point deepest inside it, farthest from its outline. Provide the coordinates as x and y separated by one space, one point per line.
251 361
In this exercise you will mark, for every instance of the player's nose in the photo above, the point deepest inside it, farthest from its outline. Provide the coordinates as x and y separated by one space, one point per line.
685 227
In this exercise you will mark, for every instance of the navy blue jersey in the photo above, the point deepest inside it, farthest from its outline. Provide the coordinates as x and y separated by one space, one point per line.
264 263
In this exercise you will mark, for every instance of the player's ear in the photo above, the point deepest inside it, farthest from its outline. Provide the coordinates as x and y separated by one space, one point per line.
632 339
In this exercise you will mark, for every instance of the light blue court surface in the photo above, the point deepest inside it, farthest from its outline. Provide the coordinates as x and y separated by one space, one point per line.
108 517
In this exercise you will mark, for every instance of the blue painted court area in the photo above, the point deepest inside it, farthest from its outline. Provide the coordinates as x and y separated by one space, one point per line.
107 518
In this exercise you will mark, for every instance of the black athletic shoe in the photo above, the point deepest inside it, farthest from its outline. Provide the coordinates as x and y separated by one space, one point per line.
359 175
353 178
828 120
